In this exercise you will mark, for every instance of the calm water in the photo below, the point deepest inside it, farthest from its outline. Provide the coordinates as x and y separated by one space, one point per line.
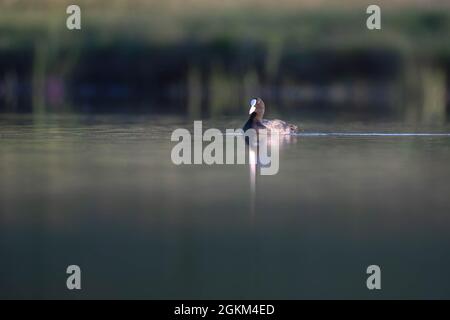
101 192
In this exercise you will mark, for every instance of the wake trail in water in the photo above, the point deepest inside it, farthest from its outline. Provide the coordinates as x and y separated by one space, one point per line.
360 134
369 134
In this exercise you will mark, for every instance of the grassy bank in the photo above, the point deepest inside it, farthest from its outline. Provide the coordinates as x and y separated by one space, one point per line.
198 55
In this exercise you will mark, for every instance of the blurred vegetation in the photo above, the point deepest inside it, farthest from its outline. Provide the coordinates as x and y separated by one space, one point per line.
208 58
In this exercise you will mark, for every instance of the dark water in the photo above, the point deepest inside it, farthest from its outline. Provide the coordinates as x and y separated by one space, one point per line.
101 192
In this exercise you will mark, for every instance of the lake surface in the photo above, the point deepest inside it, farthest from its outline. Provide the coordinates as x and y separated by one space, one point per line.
101 192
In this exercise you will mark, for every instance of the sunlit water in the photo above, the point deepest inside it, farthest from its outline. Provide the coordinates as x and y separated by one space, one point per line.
101 192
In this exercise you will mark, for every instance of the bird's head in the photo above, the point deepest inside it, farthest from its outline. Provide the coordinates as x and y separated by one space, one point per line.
257 105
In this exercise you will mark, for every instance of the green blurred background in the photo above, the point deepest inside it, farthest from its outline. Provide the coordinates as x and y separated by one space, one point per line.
208 58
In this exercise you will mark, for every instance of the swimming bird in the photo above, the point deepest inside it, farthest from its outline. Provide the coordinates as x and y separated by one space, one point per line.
256 121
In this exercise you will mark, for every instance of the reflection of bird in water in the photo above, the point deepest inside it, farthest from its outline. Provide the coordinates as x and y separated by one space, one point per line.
256 121
285 132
